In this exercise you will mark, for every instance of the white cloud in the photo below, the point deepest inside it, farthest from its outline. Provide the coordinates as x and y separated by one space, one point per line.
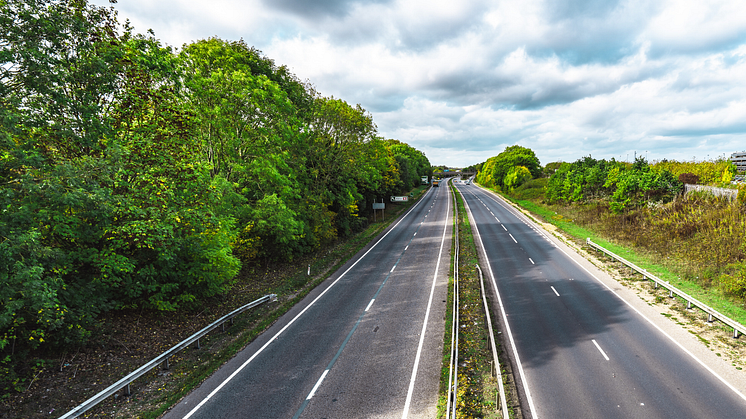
463 80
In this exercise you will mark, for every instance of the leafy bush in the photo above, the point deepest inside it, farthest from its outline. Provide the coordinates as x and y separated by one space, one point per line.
689 178
494 171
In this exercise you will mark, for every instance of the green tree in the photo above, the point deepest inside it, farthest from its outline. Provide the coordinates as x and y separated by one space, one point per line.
495 169
517 176
103 206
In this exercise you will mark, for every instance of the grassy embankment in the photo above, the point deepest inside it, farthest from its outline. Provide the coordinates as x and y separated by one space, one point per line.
691 243
477 388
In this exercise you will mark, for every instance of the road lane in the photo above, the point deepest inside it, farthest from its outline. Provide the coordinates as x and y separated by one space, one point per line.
352 340
565 323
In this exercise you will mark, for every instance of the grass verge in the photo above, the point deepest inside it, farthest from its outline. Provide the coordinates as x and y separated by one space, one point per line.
713 297
477 395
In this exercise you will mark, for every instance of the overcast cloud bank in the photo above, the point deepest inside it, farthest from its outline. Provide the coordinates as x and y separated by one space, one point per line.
463 80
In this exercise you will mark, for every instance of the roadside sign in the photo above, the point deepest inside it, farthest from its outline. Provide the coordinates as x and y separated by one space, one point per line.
379 205
399 198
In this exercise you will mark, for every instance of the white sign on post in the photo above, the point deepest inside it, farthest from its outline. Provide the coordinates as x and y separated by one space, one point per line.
399 198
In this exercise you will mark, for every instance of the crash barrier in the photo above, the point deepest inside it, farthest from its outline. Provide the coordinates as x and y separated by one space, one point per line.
162 358
690 301
498 374
453 362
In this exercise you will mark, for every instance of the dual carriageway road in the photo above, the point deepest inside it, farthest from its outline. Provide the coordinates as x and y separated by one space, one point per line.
368 341
365 343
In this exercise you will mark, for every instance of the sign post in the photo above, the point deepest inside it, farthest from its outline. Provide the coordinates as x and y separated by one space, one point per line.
378 206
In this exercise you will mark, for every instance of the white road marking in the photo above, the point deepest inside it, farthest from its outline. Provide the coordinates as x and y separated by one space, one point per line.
511 236
405 249
688 352
527 390
392 269
503 226
239 369
370 304
555 291
408 401
599 349
318 383
532 261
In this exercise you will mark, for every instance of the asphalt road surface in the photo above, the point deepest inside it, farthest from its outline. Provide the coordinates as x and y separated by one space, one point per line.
367 343
578 349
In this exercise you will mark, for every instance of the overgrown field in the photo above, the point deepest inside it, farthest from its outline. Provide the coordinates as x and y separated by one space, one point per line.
697 240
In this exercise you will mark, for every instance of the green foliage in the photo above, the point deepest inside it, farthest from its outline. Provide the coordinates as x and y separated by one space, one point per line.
550 168
624 186
132 176
516 177
717 172
495 169
412 164
735 283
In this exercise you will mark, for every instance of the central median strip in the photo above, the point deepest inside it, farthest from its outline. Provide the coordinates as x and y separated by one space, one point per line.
482 382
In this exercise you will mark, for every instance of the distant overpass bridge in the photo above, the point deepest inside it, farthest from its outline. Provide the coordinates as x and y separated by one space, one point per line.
452 174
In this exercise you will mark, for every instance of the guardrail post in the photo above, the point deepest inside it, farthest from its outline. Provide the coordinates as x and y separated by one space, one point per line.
128 392
165 364
222 327
198 345
709 317
688 305
670 294
655 284
735 333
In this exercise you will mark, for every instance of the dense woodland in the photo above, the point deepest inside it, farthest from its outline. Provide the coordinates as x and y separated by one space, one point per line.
133 174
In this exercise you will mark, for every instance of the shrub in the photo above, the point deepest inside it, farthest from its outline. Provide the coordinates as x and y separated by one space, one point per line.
689 178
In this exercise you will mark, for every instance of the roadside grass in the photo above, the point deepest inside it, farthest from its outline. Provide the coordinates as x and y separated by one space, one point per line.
562 218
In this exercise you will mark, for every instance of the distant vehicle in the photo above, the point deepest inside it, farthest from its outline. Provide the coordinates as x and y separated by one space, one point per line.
435 182
424 180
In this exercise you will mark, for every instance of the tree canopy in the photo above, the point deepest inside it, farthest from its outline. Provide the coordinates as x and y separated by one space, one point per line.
132 175
494 171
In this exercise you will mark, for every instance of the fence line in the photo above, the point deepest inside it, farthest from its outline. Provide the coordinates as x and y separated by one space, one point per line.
453 362
731 194
498 374
162 359
691 301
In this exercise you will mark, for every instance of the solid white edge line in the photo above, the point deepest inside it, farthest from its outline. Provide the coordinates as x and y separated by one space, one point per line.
370 304
316 387
410 391
555 291
260 350
599 349
699 361
521 373
392 269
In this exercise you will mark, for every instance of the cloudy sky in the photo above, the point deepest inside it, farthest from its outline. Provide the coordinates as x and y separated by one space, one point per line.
462 80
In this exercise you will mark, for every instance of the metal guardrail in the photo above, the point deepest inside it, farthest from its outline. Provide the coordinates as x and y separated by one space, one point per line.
691 301
453 362
162 359
495 360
